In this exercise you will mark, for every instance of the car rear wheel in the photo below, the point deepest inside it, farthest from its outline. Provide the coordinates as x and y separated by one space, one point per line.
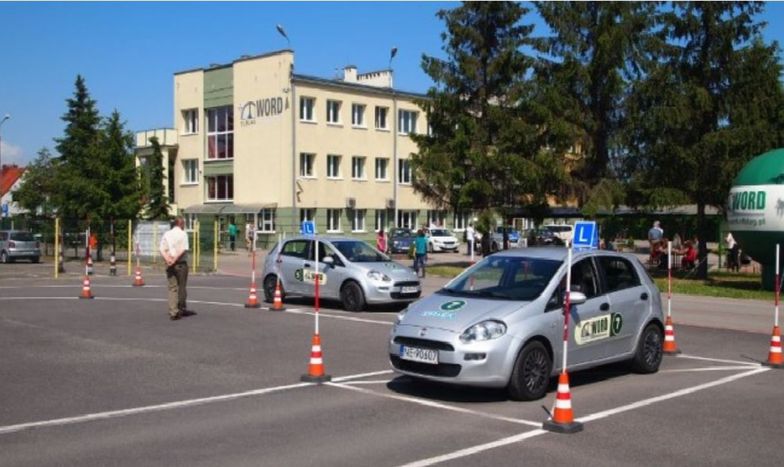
352 297
35 259
531 374
649 351
269 288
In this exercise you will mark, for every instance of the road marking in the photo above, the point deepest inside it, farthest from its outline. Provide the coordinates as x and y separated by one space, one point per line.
328 315
709 368
378 381
167 406
718 360
436 405
115 286
597 416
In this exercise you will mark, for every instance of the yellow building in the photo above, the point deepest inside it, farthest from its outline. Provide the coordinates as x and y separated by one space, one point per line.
257 142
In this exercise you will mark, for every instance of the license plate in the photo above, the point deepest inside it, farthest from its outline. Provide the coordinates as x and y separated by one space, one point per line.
419 355
409 289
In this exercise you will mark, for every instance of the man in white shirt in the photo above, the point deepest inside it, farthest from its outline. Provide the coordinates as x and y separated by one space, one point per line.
470 238
174 250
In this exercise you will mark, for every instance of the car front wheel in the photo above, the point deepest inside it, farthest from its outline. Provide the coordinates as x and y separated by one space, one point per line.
531 374
269 288
649 351
352 297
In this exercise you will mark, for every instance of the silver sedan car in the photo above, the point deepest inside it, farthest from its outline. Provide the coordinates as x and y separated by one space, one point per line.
500 322
350 270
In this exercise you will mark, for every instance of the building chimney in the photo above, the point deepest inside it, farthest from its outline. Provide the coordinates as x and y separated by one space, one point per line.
350 74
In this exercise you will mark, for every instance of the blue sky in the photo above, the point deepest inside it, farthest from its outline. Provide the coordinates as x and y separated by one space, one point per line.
128 52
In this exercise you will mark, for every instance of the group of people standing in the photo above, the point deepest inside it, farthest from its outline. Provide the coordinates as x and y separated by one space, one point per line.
658 247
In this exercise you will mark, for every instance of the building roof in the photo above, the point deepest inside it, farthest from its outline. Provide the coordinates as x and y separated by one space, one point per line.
355 86
8 176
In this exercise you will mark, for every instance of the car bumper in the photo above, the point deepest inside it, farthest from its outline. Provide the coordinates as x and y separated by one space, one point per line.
379 293
16 253
437 247
486 364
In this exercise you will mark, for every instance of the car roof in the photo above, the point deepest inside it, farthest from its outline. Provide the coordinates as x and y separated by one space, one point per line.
554 253
323 238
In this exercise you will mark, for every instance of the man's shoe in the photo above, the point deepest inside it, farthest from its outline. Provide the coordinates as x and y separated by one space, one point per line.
185 313
175 317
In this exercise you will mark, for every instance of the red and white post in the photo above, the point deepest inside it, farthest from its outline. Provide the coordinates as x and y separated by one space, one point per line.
775 359
316 366
670 347
253 299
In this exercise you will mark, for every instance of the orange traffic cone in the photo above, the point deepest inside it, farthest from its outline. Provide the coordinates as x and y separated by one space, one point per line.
137 280
90 265
253 300
316 366
562 419
774 357
86 292
669 347
277 302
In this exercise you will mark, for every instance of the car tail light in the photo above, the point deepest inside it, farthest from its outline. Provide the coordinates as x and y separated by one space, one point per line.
11 245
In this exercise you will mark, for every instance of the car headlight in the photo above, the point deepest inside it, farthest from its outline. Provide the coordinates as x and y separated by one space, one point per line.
378 276
483 331
400 315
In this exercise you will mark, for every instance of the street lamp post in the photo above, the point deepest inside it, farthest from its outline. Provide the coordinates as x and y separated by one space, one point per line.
6 117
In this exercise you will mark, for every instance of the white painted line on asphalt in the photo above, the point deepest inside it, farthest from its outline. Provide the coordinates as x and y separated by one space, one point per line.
378 381
708 368
437 405
116 286
167 406
718 360
346 318
361 375
599 415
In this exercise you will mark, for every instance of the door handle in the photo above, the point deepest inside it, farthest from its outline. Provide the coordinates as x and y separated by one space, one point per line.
604 306
644 296
307 265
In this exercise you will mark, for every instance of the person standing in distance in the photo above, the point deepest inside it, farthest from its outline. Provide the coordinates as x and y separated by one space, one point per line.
381 241
420 253
174 250
232 235
469 238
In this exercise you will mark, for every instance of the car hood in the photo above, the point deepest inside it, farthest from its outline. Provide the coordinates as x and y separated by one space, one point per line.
455 313
396 271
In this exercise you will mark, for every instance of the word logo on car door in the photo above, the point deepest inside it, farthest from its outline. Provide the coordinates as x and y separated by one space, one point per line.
596 329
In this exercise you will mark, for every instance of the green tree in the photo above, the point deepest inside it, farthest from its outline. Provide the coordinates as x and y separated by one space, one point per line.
713 101
481 152
158 205
122 181
35 194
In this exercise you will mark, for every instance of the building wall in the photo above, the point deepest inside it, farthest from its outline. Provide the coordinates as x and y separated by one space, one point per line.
189 94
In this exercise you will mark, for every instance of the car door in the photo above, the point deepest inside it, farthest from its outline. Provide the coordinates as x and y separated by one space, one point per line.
293 257
588 326
331 275
629 302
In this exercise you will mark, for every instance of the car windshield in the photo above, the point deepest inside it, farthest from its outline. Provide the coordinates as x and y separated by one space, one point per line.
359 252
22 236
509 278
439 233
401 233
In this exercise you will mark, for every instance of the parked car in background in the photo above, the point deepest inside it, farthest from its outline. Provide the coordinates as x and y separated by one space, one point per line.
441 240
349 270
400 240
16 244
497 242
562 231
542 237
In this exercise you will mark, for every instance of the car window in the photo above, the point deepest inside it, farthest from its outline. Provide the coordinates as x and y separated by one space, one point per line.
22 236
359 252
439 233
584 278
295 249
511 278
401 233
325 250
619 273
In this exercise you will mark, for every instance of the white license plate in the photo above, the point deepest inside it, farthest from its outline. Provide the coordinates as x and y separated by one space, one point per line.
409 289
419 355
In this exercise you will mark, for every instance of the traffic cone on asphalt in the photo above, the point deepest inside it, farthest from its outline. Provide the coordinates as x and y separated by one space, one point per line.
277 302
137 280
669 347
316 366
562 419
86 292
90 265
253 300
112 265
775 357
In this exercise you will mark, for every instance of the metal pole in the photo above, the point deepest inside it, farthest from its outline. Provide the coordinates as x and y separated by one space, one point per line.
669 278
56 247
194 248
778 287
6 117
130 244
294 107
567 308
317 287
154 242
215 245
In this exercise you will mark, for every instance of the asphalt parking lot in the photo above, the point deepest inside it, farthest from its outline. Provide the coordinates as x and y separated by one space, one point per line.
112 381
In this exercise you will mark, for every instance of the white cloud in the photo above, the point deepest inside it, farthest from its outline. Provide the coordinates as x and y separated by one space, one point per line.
12 154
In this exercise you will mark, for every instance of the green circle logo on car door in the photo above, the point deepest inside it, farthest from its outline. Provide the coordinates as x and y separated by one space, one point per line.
453 305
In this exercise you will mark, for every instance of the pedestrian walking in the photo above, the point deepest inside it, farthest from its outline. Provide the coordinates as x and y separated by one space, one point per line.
232 235
470 232
420 253
381 241
174 250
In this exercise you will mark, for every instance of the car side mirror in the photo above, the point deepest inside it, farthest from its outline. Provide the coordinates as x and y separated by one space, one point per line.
577 298
329 261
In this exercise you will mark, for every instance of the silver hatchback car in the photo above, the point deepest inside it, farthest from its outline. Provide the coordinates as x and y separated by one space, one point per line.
17 244
350 270
500 322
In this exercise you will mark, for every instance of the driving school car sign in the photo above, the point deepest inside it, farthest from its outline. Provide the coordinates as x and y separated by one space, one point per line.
309 277
599 328
586 235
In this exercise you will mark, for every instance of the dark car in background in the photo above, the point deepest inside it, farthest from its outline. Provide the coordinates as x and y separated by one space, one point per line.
542 237
400 240
16 244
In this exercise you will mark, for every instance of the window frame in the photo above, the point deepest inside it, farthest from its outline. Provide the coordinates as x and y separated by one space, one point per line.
386 169
404 174
381 219
227 134
358 171
411 216
190 121
307 113
187 170
358 122
410 118
333 217
334 114
331 165
229 187
385 118
310 157
266 220
358 220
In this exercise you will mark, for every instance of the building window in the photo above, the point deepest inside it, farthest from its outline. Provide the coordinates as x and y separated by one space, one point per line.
306 162
267 221
358 168
381 220
333 220
307 214
407 219
333 166
358 115
220 133
306 106
190 171
381 118
404 176
220 188
407 121
333 111
381 168
436 218
461 220
190 119
358 220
